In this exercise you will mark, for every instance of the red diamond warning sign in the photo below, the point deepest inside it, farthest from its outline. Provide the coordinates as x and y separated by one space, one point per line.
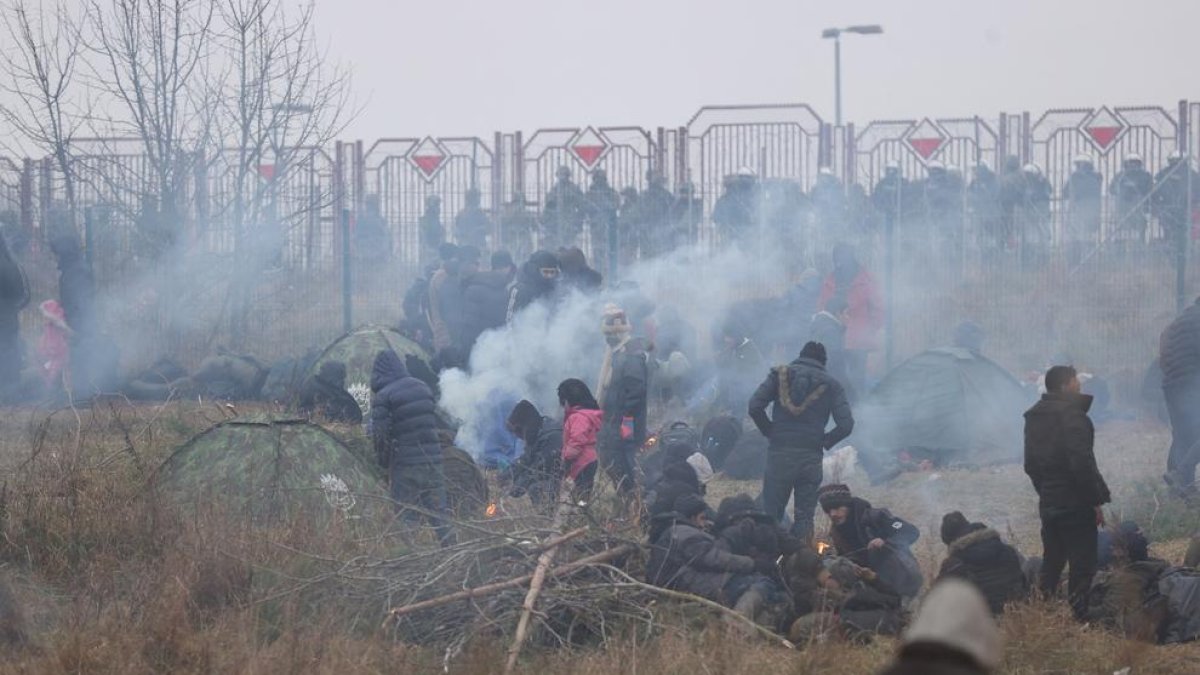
1103 128
266 171
428 156
588 147
926 139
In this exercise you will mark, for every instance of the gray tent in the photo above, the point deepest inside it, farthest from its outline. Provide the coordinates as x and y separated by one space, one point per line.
950 406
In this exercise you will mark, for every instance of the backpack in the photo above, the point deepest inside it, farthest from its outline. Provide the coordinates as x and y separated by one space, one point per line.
680 441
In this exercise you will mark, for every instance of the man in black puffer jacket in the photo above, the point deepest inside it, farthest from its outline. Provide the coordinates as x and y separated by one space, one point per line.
976 554
1061 462
873 538
804 397
404 426
1179 357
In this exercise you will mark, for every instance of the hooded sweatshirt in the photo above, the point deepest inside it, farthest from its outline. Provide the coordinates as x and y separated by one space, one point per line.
580 428
403 419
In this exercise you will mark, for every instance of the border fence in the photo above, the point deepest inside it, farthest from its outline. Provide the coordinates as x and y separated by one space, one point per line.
317 203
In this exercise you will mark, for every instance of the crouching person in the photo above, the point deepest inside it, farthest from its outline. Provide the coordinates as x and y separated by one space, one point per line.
873 538
539 469
745 529
404 429
684 557
837 599
976 553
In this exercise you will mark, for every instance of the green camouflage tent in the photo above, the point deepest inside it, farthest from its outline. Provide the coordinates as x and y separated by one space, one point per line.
358 348
949 406
269 467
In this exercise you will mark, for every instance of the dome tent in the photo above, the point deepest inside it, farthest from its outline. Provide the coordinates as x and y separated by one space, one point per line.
950 406
270 467
358 348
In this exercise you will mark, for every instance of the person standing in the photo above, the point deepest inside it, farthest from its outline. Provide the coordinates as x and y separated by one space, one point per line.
404 428
14 296
804 397
623 394
1179 358
850 281
1061 462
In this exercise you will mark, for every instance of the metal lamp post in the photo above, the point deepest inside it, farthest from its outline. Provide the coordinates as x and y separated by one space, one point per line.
836 35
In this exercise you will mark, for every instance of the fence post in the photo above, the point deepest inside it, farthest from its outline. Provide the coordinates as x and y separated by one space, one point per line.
889 262
347 288
1184 235
27 197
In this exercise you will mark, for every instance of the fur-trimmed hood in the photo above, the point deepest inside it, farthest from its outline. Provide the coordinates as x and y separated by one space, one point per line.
970 539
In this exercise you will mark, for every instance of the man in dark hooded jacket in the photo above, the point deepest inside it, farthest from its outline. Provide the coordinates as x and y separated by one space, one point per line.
539 469
804 397
404 427
537 281
1179 359
976 553
874 538
325 394
1061 463
485 299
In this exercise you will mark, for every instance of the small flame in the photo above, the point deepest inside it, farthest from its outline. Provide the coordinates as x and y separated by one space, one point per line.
492 510
652 441
822 547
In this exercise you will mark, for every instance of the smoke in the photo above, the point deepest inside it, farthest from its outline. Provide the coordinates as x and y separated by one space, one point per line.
552 341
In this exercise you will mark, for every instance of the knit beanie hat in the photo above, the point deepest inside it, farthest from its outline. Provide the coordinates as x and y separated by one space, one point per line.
955 616
954 526
690 505
524 415
834 495
814 351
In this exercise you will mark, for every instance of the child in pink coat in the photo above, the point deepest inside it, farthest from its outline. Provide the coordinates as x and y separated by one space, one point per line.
581 424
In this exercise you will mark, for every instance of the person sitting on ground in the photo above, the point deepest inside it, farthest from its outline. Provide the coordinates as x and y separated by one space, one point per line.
745 529
325 394
833 597
678 479
1127 544
581 424
953 634
539 470
976 553
873 538
684 557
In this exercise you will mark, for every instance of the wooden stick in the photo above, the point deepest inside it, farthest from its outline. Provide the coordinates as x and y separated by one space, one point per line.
539 578
480 591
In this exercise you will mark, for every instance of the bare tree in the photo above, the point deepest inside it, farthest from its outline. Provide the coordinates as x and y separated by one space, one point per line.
38 73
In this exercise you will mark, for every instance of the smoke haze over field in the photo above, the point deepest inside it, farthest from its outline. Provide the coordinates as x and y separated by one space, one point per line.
463 66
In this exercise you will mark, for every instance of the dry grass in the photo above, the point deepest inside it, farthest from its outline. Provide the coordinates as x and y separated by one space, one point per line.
109 579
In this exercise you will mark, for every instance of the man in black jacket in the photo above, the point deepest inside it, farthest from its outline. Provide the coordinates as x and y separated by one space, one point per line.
485 299
404 427
539 469
1060 461
1179 358
976 553
873 538
804 397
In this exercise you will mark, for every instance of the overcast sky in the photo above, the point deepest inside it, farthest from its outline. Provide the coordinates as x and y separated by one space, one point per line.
450 67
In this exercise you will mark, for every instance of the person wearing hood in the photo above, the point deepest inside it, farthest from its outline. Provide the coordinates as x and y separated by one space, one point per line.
14 296
1061 462
404 427
485 299
851 282
501 447
873 538
325 394
803 397
685 557
539 470
538 280
1179 363
582 420
976 553
623 394
745 529
953 634
576 273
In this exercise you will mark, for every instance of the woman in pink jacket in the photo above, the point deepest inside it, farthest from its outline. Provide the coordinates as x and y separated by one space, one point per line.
581 423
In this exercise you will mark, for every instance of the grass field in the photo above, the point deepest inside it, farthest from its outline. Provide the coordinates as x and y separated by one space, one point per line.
105 578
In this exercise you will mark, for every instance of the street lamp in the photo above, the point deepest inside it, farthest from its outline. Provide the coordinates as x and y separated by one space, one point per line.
836 35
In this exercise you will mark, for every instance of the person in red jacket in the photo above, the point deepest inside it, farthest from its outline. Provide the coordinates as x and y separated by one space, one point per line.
581 423
864 313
